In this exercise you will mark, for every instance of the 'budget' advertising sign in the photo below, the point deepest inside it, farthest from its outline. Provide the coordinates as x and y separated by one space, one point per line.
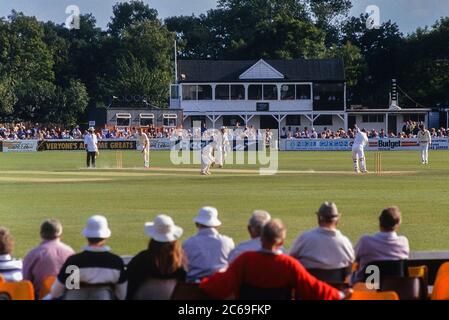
385 144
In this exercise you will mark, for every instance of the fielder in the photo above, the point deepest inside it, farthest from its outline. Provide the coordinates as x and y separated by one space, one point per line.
424 140
145 144
222 148
207 157
358 150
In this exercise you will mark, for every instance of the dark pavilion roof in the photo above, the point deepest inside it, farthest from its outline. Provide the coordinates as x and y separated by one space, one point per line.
230 70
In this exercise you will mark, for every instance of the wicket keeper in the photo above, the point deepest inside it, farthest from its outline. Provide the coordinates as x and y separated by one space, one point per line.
145 144
358 150
424 140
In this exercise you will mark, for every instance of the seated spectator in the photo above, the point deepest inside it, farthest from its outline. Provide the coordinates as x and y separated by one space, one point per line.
324 247
255 225
10 268
384 245
207 252
164 258
268 270
47 258
98 267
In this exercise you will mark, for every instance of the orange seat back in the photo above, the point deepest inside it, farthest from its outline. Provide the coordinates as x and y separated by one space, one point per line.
22 290
441 286
372 295
46 286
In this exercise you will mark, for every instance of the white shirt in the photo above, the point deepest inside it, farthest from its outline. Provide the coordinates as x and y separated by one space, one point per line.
91 142
143 138
360 141
424 137
207 252
250 245
323 248
10 269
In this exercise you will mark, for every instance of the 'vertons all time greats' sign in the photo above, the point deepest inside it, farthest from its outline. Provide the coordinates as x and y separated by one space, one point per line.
74 145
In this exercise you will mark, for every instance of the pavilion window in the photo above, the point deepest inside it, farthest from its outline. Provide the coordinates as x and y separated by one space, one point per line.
222 92
303 92
255 92
189 92
288 92
204 92
237 92
270 92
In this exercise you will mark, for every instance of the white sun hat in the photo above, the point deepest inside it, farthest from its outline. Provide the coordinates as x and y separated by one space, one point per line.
97 227
163 229
208 216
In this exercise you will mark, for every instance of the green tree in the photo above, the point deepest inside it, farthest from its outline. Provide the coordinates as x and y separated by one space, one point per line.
125 14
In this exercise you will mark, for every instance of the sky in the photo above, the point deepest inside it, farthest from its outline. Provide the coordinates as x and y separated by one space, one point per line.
408 14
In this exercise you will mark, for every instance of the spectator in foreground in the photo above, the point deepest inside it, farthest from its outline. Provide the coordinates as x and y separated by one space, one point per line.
255 225
47 258
164 258
207 252
324 247
10 268
384 245
268 270
98 267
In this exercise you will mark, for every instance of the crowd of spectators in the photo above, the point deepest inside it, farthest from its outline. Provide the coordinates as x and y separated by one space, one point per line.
258 268
21 131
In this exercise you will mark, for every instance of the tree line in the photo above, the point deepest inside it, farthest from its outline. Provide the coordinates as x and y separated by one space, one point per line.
51 74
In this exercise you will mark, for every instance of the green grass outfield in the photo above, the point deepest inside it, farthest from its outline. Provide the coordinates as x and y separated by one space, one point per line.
35 186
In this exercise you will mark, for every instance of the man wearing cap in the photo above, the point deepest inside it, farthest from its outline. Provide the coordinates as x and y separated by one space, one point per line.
424 140
96 267
207 252
46 259
91 145
324 247
255 225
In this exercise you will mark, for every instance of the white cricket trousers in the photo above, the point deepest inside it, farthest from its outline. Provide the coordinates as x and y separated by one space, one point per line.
146 158
424 146
358 155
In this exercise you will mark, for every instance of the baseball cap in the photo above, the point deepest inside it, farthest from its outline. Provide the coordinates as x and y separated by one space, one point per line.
328 210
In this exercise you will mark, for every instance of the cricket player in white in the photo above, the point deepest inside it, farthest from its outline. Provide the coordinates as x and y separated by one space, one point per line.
144 142
91 145
222 147
424 140
207 157
358 150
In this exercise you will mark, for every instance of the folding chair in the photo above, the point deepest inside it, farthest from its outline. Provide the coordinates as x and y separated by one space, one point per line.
372 295
22 290
46 286
441 286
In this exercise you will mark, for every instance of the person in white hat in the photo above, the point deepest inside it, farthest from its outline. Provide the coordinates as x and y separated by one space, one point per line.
164 258
207 252
91 145
255 225
96 266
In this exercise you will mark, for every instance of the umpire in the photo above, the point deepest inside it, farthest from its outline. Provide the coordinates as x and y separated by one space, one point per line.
91 145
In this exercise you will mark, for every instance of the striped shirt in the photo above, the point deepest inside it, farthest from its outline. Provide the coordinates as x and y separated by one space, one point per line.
10 268
97 266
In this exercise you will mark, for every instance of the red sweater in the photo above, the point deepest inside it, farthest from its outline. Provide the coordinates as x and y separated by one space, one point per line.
265 270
